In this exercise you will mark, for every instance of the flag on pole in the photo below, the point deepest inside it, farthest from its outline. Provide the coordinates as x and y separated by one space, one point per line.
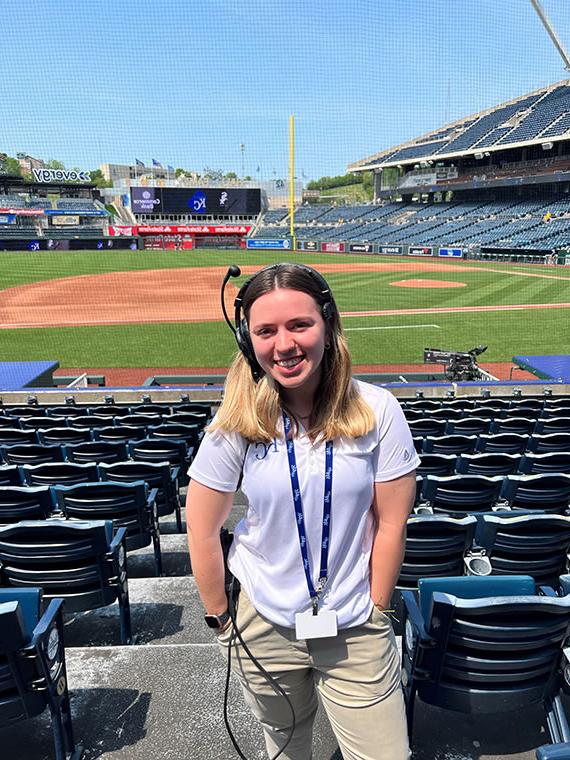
157 163
138 163
258 169
170 168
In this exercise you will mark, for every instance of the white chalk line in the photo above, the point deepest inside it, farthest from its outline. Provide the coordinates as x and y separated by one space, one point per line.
391 327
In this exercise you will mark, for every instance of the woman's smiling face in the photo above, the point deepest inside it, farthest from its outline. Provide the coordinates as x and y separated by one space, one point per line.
288 334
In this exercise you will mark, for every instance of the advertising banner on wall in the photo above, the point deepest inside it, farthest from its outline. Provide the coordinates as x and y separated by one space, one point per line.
308 245
194 229
122 230
23 211
65 221
391 250
74 212
257 243
455 253
61 175
333 247
420 250
361 247
7 218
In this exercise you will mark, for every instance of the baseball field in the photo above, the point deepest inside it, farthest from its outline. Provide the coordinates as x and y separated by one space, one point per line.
137 309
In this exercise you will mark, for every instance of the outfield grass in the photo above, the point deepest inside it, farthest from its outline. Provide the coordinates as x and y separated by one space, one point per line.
211 344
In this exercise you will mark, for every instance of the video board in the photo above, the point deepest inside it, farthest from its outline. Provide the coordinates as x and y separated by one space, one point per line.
189 200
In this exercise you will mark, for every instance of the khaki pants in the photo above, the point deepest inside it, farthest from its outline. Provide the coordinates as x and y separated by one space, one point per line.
356 675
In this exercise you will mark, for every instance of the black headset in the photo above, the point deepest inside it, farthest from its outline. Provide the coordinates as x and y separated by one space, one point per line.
241 329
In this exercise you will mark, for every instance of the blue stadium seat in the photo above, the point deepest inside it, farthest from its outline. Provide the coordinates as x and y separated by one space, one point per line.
83 562
485 646
32 666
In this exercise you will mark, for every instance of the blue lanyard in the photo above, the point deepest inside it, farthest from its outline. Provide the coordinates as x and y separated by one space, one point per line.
298 504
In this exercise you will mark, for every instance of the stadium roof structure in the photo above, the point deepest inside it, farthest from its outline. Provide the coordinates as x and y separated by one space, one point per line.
542 116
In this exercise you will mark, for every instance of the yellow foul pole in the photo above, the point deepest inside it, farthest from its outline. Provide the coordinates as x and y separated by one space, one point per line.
292 180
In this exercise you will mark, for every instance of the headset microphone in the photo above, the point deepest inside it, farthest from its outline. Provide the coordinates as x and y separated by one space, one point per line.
233 271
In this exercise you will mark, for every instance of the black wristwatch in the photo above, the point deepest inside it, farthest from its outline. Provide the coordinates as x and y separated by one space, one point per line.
217 621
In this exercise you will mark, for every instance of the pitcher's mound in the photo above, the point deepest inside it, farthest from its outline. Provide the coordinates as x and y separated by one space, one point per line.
428 284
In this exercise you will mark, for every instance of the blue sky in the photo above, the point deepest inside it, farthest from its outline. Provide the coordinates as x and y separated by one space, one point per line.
188 82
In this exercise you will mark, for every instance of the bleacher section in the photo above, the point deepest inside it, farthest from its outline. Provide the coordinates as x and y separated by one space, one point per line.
127 699
544 114
508 224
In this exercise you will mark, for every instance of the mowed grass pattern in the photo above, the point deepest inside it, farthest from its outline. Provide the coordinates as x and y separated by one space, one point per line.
387 339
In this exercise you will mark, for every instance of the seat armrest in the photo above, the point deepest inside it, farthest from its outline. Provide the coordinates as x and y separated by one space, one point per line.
414 615
546 591
54 608
118 539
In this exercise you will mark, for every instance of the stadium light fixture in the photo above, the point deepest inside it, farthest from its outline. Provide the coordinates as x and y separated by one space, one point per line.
547 146
478 156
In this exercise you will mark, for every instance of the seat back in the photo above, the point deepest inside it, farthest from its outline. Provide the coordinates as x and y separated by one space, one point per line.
64 473
97 451
494 649
155 474
435 546
508 443
490 463
437 464
124 503
461 493
31 453
11 436
21 503
450 444
119 433
10 475
548 425
66 559
549 492
535 545
59 435
173 451
540 444
552 461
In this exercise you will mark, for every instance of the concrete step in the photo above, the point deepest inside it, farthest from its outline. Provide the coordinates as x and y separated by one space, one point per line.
175 558
164 702
163 611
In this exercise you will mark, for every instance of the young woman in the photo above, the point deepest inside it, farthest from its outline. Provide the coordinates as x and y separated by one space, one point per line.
327 464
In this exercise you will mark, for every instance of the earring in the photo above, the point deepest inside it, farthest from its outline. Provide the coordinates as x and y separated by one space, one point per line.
327 346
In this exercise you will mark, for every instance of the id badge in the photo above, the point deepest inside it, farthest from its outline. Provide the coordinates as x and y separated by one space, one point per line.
321 626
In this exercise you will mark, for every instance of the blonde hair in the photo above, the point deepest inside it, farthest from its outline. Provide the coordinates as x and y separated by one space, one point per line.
254 409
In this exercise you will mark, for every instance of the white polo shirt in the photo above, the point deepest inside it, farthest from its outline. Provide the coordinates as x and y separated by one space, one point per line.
266 555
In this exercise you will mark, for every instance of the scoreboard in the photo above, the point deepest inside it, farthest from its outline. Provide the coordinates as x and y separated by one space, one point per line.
217 201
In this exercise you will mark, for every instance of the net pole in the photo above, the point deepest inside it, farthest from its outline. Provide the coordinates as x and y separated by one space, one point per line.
292 180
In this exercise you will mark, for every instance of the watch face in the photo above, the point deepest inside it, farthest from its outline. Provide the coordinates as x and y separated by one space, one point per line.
217 621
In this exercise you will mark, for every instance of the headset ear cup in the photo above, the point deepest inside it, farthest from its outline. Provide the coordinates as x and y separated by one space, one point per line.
246 347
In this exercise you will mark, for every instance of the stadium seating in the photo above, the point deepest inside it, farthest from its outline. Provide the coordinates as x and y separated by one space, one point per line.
535 545
484 646
129 505
24 503
32 666
82 562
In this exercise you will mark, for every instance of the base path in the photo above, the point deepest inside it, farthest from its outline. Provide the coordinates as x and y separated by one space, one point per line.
181 295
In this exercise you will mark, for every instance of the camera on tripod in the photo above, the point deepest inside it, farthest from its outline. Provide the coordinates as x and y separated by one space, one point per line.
458 365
